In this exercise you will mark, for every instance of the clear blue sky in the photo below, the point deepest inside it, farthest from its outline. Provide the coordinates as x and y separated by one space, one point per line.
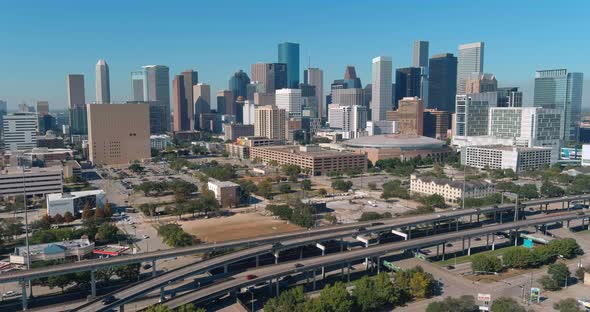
42 41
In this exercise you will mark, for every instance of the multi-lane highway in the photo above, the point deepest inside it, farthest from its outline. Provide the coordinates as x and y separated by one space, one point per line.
325 233
133 291
275 271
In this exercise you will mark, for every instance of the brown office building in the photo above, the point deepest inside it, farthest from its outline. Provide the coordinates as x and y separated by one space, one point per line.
480 83
234 131
269 121
182 95
411 116
119 133
436 123
310 158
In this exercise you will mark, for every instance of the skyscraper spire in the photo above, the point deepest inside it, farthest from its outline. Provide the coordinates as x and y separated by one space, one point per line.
103 88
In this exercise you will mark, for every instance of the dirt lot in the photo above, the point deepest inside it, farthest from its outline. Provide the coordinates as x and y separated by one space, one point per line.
238 226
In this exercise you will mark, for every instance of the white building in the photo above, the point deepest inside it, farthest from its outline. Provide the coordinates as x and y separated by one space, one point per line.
352 120
77 249
347 97
452 191
516 158
470 60
382 127
249 113
60 203
226 192
381 91
160 142
472 113
103 86
586 155
37 181
20 131
290 101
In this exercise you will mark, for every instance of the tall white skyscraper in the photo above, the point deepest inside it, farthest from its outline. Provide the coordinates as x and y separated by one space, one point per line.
290 101
315 77
381 88
103 86
470 61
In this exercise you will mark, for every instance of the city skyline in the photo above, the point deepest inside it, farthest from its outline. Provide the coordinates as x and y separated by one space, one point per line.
219 60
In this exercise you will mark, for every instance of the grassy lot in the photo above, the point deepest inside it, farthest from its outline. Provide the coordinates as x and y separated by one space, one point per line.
465 259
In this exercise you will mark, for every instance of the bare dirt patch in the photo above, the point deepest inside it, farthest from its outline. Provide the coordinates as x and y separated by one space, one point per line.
238 226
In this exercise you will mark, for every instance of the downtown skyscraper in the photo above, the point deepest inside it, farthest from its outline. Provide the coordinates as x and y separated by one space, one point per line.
184 116
103 86
272 75
315 77
289 54
381 87
470 61
560 89
442 83
77 107
420 54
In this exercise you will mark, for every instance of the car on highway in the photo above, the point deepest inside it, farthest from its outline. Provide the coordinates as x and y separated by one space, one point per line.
10 293
147 266
449 245
145 236
299 265
108 299
450 267
251 276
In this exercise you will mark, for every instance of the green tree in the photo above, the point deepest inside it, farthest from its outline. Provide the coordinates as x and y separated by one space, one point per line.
136 168
87 212
247 188
450 304
107 233
504 304
435 200
549 283
559 272
485 263
58 219
158 308
341 185
284 188
365 294
566 247
108 210
386 292
60 281
518 258
567 305
543 254
323 192
394 189
265 189
291 300
550 190
333 298
306 185
129 273
421 285
291 170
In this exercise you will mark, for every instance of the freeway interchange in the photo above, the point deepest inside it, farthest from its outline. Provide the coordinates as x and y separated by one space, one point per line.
264 245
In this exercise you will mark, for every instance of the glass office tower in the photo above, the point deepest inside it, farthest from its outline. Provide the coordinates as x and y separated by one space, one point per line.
289 54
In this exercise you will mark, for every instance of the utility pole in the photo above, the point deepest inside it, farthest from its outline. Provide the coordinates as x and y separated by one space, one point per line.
27 230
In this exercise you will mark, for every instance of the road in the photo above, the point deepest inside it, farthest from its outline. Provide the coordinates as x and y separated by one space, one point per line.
322 233
133 291
275 271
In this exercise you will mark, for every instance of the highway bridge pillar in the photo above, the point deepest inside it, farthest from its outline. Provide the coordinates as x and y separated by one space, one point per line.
301 253
154 267
93 283
277 286
225 268
470 218
437 250
122 308
341 244
515 237
409 232
443 251
313 278
469 246
457 225
162 294
348 273
434 226
463 245
493 242
478 218
276 254
257 261
487 241
24 295
450 224
379 264
568 224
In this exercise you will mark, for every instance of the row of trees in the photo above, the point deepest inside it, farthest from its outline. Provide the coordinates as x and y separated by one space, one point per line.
173 235
372 215
204 204
104 233
522 258
369 294
181 189
184 308
394 188
127 273
295 212
467 304
341 185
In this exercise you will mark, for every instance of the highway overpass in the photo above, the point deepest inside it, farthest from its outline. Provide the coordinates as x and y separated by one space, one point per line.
268 273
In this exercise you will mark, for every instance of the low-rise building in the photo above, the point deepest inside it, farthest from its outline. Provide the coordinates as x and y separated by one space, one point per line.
37 181
233 131
516 158
77 249
50 140
452 191
160 142
74 202
226 192
241 147
310 158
